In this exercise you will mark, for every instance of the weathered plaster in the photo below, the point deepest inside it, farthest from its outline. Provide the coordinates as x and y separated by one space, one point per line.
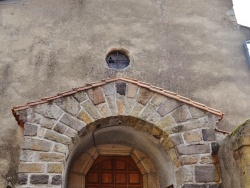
189 47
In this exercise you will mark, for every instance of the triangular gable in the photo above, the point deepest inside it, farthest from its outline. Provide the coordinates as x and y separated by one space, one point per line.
102 83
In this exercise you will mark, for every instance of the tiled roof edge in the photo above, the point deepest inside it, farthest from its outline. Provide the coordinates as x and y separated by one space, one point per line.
126 79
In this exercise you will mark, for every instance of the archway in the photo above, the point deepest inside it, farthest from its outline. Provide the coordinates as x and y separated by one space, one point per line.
178 132
149 155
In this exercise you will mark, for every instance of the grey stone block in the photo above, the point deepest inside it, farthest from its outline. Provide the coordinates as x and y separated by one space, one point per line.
39 179
56 180
30 130
208 134
22 179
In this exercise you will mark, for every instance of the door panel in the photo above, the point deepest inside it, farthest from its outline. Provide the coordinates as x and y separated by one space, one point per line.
114 172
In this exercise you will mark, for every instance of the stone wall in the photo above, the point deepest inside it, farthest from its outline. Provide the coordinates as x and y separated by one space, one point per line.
53 126
235 158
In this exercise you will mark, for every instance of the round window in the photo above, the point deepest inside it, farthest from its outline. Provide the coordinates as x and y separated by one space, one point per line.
117 60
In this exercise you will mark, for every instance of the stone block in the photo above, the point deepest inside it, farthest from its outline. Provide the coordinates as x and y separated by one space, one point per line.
36 144
80 96
129 104
132 90
188 160
207 160
104 110
154 118
121 88
72 122
112 104
194 186
31 167
144 96
52 157
27 155
204 174
195 112
54 136
48 110
193 149
168 144
147 111
22 179
181 114
109 89
85 117
137 109
120 106
60 128
157 99
96 95
167 121
91 109
189 125
176 139
61 148
73 133
167 106
55 168
30 130
42 121
208 134
193 136
39 179
56 180
68 104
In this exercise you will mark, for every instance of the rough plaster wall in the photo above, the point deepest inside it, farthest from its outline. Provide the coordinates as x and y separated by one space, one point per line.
189 47
231 174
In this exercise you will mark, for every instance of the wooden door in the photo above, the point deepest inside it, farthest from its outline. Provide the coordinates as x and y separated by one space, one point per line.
114 172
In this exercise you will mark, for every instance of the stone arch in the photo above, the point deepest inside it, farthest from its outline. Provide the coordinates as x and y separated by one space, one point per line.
55 125
150 142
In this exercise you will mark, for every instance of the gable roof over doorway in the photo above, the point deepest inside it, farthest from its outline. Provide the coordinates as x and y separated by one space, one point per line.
103 82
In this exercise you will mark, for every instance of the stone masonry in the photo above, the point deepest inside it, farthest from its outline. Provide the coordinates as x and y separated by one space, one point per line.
52 126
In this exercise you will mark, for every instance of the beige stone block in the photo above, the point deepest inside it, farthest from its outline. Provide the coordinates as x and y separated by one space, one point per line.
104 110
48 110
189 159
120 106
157 99
166 122
91 109
147 111
96 95
144 96
68 104
207 160
52 157
54 136
129 104
31 167
193 136
55 168
154 118
181 114
112 104
36 144
80 96
137 109
167 106
132 90
61 148
84 116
